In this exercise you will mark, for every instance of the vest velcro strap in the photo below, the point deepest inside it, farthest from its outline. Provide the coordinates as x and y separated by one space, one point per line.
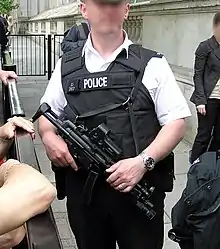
76 64
73 54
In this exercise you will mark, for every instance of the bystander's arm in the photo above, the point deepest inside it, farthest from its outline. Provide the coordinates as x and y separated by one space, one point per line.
24 193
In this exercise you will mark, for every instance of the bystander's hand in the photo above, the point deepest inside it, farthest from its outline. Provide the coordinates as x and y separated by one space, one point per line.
201 109
6 75
7 131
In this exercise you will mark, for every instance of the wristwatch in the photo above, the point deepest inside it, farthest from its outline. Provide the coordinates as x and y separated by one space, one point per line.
149 162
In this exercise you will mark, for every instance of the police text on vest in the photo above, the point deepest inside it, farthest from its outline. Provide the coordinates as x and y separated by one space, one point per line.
95 82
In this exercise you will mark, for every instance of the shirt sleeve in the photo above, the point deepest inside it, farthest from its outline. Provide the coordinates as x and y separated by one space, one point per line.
54 95
170 104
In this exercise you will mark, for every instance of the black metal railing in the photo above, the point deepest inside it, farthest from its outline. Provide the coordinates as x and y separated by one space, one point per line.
35 55
42 232
28 52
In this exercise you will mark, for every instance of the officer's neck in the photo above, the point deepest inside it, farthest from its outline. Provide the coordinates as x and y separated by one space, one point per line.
107 44
217 37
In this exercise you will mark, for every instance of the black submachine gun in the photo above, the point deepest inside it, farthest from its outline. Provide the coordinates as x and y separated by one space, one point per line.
99 150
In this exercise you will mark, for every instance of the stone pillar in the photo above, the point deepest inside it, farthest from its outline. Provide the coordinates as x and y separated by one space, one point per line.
33 28
48 28
60 27
39 27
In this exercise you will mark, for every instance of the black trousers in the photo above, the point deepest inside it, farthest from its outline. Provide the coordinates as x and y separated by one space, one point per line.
110 218
205 127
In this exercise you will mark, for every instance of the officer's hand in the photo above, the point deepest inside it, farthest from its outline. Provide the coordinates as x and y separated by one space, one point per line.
57 151
7 131
201 109
125 174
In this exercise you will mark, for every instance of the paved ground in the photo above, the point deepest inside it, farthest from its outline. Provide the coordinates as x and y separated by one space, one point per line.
30 91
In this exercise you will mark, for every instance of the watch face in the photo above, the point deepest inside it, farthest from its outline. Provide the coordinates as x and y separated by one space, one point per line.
149 163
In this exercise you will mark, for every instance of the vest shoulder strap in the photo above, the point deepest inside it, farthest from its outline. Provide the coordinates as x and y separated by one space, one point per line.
140 58
74 53
72 60
144 53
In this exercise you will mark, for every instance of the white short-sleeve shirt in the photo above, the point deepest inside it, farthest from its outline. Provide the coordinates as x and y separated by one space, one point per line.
158 78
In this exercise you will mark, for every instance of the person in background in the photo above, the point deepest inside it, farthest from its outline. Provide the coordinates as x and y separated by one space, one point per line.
75 36
206 95
24 192
3 32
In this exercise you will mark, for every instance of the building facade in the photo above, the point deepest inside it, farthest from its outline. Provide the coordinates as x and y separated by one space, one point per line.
172 27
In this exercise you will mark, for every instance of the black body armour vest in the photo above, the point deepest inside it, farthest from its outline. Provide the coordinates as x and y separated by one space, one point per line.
118 98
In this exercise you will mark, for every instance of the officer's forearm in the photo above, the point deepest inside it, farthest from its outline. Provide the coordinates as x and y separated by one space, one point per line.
45 127
167 139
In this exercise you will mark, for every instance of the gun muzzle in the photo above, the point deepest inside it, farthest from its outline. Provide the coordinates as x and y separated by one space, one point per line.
43 108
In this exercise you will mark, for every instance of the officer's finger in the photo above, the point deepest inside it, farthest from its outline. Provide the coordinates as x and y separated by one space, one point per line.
127 189
121 187
71 161
65 162
60 160
113 168
117 183
113 177
58 163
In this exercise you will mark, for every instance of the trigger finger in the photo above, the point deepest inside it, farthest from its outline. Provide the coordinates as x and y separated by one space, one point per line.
71 161
58 163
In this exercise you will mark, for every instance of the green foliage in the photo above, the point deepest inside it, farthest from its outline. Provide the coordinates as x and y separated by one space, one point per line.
6 6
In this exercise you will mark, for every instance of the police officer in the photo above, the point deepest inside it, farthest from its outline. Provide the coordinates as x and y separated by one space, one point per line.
109 80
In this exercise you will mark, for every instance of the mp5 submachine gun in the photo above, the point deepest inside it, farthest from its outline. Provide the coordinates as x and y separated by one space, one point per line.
99 151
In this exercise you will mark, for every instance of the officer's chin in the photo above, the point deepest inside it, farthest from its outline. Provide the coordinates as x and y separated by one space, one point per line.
110 29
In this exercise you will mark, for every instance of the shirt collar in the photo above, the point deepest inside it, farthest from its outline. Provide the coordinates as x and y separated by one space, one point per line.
125 45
